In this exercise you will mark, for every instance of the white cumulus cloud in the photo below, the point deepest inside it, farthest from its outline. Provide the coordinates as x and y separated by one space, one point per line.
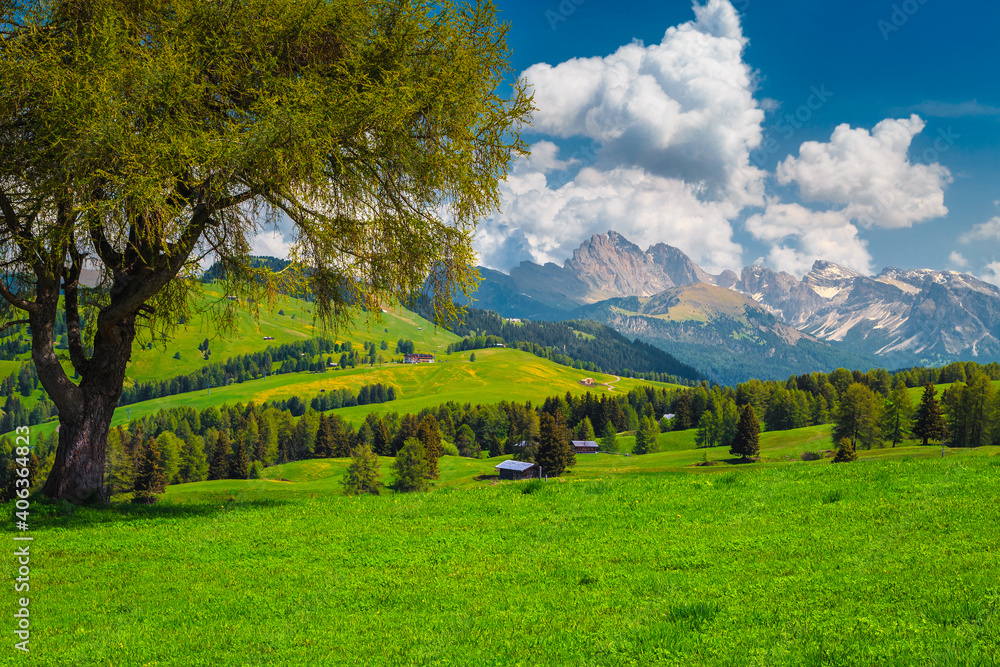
870 175
798 236
987 231
958 260
271 244
672 125
991 273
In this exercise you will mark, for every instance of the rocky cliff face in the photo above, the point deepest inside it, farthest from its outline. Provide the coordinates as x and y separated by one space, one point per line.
606 266
927 315
901 317
725 334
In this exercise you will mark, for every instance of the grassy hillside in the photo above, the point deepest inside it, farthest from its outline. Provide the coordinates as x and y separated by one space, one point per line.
296 324
627 562
497 374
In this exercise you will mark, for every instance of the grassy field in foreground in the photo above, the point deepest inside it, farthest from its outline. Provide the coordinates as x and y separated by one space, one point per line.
877 562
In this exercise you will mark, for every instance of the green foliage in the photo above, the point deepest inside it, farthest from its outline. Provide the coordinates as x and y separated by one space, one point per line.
929 423
120 477
465 442
710 428
137 134
150 478
221 452
323 447
858 417
897 416
845 452
971 412
555 451
472 357
746 442
429 434
412 470
362 474
683 417
609 439
239 465
647 436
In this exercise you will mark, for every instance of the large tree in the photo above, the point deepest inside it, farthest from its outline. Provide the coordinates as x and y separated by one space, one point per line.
858 416
746 442
897 415
141 138
929 423
555 449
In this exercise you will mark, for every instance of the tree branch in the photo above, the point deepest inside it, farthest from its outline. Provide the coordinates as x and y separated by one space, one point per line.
14 323
71 284
131 292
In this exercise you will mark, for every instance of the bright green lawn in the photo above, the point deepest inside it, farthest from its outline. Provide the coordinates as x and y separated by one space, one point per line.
872 563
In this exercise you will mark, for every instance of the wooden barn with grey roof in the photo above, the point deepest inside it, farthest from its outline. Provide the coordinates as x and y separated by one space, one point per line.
516 470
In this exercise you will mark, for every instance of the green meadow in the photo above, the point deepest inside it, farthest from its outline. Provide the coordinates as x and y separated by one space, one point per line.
624 561
497 374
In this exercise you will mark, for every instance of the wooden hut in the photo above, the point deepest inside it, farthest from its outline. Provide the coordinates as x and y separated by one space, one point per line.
585 446
516 470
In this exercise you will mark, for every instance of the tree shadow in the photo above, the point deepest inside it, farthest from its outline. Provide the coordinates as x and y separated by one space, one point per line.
740 461
46 514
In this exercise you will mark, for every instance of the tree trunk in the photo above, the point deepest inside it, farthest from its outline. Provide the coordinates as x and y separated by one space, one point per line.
78 471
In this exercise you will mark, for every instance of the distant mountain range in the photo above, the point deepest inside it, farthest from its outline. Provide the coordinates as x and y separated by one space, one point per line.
760 323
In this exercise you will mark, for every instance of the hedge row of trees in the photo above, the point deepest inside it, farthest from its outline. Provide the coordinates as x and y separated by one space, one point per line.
867 409
294 357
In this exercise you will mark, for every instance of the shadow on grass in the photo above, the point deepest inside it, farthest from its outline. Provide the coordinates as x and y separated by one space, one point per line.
741 461
46 514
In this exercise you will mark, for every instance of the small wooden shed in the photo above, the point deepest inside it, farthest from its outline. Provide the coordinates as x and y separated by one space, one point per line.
516 470
585 446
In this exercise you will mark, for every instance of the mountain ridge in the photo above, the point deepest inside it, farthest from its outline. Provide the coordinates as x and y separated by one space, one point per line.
897 317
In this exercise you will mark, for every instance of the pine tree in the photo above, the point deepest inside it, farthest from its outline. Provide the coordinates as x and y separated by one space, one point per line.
709 428
683 417
219 469
381 438
746 442
407 429
363 473
929 424
150 477
411 468
646 436
429 433
465 441
239 466
555 451
898 414
324 439
340 437
193 465
120 470
858 416
609 439
586 430
845 452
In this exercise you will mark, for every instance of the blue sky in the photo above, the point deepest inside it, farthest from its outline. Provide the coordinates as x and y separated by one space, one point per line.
690 136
